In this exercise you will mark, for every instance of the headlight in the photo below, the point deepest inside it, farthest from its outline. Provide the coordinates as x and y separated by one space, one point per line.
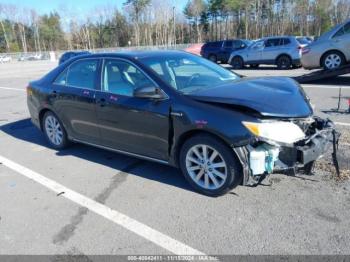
283 132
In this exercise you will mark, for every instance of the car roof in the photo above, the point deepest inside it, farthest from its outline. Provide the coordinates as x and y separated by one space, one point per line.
136 54
274 37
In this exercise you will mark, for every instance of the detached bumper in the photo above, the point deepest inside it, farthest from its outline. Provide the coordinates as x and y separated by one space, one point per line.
308 150
261 158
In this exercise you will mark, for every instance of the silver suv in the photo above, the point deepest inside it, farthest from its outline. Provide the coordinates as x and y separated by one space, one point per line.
283 51
330 51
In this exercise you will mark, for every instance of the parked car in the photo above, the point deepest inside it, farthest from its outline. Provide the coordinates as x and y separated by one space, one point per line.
221 50
68 55
182 110
194 49
330 51
283 51
31 57
5 59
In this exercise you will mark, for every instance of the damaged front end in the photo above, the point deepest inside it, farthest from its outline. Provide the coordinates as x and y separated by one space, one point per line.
286 146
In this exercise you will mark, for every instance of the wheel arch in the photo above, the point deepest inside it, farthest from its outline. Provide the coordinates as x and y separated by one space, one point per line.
42 112
283 54
329 51
194 132
235 56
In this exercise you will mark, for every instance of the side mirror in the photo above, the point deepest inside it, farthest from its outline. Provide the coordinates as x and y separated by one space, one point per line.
149 92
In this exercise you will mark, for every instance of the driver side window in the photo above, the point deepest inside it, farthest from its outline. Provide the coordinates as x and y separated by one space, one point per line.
122 78
258 45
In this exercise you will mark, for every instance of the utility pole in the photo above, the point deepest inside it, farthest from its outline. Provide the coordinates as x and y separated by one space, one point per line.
174 25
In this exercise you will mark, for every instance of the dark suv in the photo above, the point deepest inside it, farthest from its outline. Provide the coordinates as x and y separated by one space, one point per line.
221 50
68 55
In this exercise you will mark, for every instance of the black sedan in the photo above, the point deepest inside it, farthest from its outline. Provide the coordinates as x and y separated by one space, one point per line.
182 110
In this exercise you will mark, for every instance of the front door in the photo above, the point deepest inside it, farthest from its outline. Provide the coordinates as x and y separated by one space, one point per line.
73 99
253 54
127 123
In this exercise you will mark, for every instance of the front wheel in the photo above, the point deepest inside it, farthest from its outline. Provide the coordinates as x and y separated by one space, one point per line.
54 131
237 62
209 165
213 58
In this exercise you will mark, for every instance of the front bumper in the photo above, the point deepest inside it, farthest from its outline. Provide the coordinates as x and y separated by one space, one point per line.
321 135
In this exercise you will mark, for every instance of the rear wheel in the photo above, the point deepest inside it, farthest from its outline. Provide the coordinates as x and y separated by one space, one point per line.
333 60
237 62
209 165
54 131
284 62
212 58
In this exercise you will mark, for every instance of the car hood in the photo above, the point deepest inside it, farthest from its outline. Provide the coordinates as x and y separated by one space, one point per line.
269 96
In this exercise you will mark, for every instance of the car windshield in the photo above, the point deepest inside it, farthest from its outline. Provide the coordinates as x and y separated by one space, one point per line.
187 73
248 42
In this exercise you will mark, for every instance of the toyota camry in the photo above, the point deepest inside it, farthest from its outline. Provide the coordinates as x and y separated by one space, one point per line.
179 109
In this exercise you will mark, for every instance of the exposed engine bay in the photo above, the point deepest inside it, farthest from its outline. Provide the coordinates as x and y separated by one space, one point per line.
266 156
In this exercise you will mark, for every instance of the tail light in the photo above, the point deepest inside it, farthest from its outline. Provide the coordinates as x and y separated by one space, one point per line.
29 90
305 50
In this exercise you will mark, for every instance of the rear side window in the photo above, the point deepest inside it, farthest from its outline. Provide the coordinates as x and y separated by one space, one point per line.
80 74
238 44
273 42
285 41
214 44
228 44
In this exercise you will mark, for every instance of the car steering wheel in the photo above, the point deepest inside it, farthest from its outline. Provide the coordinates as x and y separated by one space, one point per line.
193 77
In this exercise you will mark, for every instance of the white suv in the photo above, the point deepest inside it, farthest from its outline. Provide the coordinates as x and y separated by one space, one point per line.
283 51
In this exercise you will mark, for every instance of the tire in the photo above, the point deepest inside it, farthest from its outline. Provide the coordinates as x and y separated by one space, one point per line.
254 66
284 62
332 60
227 172
213 58
237 62
54 131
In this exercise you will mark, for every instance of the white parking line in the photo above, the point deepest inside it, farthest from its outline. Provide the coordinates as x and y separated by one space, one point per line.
342 124
326 86
14 89
118 218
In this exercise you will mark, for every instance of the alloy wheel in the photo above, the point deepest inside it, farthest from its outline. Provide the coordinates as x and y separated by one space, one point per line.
206 167
53 130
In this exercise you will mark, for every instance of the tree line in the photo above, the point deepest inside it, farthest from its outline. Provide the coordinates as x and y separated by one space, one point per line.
162 22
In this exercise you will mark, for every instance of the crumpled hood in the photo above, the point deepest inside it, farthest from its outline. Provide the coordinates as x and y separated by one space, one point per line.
270 96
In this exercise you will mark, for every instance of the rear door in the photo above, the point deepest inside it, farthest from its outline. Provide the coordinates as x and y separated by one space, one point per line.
127 123
341 40
254 52
73 99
